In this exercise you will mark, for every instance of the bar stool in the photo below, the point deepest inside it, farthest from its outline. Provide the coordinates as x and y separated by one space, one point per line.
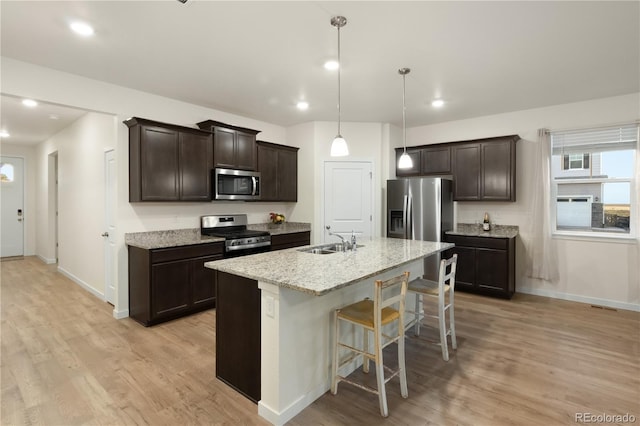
372 315
445 286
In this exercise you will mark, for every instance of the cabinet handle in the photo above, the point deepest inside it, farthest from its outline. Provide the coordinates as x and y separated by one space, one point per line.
105 234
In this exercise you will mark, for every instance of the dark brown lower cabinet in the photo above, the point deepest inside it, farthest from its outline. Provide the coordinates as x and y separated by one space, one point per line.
238 334
293 239
169 283
486 265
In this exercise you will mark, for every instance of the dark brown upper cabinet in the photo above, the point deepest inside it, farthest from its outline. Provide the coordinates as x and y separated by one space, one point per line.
485 169
436 160
482 169
168 162
233 147
427 161
415 155
278 167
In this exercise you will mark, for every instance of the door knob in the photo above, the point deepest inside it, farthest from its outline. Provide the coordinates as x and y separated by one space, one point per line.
105 234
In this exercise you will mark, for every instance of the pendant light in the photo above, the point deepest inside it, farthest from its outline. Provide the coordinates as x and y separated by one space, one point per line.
339 145
405 161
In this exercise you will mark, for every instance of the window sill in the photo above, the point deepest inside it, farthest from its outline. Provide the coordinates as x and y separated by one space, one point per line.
595 237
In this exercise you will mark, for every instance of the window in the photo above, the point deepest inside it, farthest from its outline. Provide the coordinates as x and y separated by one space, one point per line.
592 179
6 172
575 161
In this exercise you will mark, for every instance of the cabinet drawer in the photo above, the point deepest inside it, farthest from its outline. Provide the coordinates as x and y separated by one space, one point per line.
481 242
186 252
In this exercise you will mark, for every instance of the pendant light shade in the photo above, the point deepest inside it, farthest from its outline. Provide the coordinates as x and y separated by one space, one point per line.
339 146
405 161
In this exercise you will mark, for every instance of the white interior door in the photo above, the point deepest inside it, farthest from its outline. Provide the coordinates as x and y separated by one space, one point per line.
110 226
348 198
12 206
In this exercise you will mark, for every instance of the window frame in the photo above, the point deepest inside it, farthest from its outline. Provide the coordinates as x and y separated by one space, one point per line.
596 235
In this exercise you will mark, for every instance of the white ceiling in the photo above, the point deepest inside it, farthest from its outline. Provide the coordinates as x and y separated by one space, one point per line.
257 59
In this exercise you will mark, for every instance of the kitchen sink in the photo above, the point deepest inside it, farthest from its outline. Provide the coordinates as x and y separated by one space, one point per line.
326 248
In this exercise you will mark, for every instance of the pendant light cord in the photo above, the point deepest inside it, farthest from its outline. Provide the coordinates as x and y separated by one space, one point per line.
404 113
339 66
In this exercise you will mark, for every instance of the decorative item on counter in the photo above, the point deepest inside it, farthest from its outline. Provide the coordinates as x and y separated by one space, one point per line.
485 224
276 218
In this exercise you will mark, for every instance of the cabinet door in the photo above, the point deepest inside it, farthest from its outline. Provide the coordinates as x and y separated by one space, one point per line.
498 171
415 155
203 281
238 334
436 161
268 168
466 172
287 175
492 270
159 164
465 268
169 288
224 147
245 151
196 162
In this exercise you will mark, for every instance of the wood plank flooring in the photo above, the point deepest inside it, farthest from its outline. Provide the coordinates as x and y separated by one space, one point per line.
528 361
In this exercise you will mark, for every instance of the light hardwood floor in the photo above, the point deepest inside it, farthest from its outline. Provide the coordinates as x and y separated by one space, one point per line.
528 361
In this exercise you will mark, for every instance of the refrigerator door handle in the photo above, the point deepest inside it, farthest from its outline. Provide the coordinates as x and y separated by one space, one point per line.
409 220
405 223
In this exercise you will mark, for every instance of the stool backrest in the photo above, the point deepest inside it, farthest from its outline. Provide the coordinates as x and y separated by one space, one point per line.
390 292
447 278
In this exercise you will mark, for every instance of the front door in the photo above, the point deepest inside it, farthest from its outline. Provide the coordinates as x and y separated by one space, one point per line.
348 199
12 210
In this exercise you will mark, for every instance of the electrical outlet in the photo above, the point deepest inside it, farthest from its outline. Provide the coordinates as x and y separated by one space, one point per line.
269 306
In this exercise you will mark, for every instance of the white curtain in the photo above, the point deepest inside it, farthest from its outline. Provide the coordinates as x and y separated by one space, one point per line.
541 251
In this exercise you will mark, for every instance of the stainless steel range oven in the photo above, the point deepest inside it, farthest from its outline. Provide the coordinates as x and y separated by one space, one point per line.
239 241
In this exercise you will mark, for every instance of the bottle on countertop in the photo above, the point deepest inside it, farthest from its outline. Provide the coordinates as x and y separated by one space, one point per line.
486 226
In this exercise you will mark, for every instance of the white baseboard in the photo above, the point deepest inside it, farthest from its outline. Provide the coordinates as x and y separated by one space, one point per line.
82 283
280 418
46 260
582 299
120 314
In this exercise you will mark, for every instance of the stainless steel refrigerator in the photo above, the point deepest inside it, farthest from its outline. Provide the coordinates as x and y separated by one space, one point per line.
420 209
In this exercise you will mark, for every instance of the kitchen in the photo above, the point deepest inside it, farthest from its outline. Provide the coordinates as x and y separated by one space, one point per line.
374 141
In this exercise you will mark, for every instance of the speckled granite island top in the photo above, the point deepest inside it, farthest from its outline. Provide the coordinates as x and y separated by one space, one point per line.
473 230
319 274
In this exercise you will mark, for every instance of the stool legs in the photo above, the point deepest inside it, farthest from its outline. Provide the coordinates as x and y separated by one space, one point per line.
416 314
452 322
365 344
334 364
442 324
382 391
402 365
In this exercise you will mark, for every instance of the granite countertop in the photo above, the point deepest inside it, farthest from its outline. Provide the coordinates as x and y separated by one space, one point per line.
319 274
172 238
186 237
473 230
283 228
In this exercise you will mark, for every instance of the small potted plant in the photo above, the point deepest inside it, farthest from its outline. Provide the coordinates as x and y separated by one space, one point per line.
276 218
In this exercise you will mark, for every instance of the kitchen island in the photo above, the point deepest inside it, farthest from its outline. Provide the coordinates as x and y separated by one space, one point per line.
297 292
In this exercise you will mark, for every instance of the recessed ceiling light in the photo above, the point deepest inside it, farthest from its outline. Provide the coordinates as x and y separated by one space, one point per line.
82 28
331 65
437 103
4 134
29 103
54 117
302 105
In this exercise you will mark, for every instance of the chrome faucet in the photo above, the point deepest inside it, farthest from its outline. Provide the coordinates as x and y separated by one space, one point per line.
345 244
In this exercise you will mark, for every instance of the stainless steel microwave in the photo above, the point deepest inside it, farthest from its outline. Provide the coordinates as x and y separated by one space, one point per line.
231 184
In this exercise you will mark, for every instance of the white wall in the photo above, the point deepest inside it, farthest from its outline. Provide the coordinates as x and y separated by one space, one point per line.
80 154
27 152
47 85
601 272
